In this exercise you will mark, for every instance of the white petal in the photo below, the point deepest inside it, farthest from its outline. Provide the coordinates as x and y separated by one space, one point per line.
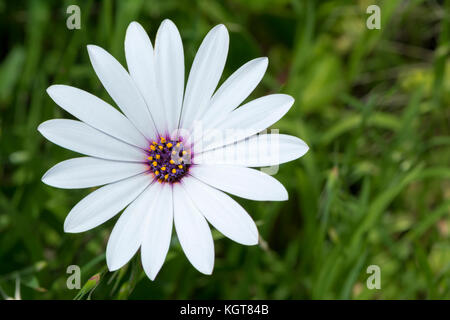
141 65
248 120
193 231
104 203
225 214
234 91
128 232
79 137
97 113
169 63
158 230
86 172
241 181
257 151
205 74
122 90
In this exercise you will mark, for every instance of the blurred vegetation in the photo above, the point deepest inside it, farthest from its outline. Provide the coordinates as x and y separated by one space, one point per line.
373 105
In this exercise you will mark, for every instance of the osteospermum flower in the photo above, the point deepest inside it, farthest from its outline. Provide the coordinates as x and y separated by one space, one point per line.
148 159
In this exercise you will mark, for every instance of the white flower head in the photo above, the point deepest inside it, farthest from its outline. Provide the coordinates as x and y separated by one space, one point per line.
148 159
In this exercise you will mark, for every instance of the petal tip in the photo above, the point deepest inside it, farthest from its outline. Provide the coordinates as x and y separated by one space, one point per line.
304 148
152 275
112 265
253 239
68 228
41 127
264 61
51 89
290 99
150 271
93 49
45 178
207 272
222 27
134 24
221 31
167 23
206 269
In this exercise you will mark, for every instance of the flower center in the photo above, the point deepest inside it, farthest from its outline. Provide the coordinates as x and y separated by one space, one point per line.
168 159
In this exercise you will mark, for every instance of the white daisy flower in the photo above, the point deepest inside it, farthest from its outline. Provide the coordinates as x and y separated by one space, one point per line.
147 158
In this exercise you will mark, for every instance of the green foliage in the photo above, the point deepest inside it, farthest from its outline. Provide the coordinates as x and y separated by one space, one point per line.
373 105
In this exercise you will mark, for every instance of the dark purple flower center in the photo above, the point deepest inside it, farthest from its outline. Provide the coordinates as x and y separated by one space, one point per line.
168 159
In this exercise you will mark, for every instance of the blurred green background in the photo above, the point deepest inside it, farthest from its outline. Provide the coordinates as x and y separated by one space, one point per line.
374 189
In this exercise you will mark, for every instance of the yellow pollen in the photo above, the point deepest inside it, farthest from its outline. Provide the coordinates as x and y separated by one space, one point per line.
168 160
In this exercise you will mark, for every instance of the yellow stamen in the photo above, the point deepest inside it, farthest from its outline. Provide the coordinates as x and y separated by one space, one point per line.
158 156
152 148
180 166
163 168
174 171
150 158
160 147
163 140
172 162
155 163
169 145
156 172
155 143
166 176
